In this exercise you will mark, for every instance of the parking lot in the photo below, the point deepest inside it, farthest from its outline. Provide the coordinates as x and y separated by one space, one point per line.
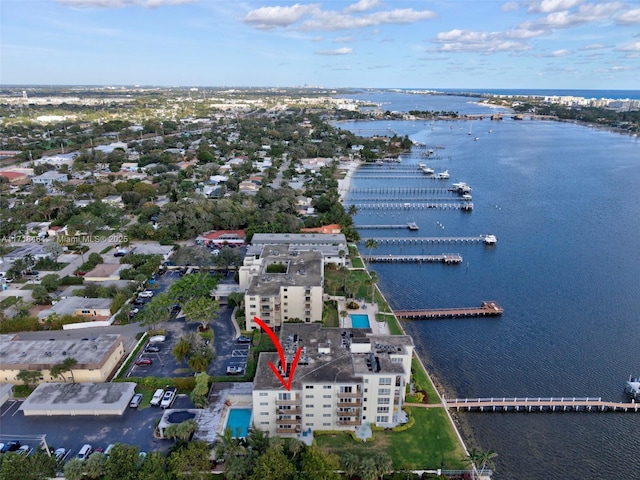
134 427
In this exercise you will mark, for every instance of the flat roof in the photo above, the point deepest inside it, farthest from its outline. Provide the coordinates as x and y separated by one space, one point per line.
79 399
303 269
19 354
299 238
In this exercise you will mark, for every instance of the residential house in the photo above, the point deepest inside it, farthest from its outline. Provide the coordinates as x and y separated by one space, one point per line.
104 272
129 167
92 308
220 238
15 178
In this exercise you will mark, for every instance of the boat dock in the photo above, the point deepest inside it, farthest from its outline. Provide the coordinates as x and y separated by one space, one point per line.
412 205
539 404
448 258
399 191
381 227
423 240
486 309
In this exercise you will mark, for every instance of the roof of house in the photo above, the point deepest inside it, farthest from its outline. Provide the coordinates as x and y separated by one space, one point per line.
223 235
326 229
104 270
13 175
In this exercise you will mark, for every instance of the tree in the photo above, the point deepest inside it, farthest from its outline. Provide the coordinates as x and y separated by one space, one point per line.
95 465
40 295
200 391
274 465
320 465
370 243
235 299
29 376
350 464
383 464
192 286
50 281
54 249
344 314
201 309
481 459
182 349
60 369
153 467
190 461
74 469
372 281
122 463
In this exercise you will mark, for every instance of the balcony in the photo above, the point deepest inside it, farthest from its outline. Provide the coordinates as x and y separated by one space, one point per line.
354 403
289 421
295 401
342 413
356 394
290 431
344 423
290 411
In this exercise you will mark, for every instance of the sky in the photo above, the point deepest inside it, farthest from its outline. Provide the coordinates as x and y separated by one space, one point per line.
555 44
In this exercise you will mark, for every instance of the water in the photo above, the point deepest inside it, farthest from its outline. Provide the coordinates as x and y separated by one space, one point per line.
238 421
564 203
359 321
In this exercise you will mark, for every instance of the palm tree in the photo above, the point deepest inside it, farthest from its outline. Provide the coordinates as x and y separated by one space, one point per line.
370 243
383 463
481 458
350 464
373 280
60 369
352 210
344 314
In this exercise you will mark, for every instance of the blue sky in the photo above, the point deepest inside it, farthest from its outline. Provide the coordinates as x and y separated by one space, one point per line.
360 43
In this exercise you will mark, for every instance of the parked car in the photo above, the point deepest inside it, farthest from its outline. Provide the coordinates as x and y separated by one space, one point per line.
84 452
11 446
24 450
107 450
60 453
146 294
157 397
32 273
157 339
136 400
144 361
244 339
140 301
169 397
152 348
234 370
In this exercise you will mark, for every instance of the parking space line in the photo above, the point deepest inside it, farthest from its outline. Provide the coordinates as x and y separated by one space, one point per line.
12 403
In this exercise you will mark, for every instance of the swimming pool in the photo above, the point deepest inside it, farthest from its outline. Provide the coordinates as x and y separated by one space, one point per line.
238 421
359 320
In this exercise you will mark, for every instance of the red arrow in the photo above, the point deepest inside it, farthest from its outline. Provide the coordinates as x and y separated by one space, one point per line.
276 342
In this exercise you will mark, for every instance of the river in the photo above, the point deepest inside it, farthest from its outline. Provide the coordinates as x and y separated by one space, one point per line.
564 202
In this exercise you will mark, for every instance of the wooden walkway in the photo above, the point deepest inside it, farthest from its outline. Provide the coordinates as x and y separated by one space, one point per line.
539 404
422 240
449 258
400 191
464 205
486 309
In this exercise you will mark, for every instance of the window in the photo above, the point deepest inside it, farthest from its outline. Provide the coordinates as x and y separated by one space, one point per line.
385 381
253 305
264 423
308 415
86 311
345 389
308 387
264 404
284 396
326 424
326 396
383 409
396 359
263 394
264 413
326 414
308 406
384 391
308 396
383 401
326 387
382 418
326 406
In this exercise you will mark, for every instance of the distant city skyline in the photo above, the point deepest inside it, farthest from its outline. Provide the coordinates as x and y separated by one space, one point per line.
535 44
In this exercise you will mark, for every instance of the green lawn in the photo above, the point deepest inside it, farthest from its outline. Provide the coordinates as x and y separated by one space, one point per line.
429 444
422 381
330 315
8 302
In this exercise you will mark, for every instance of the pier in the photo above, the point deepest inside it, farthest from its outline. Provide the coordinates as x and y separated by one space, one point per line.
409 205
427 240
486 309
539 404
381 227
448 258
399 191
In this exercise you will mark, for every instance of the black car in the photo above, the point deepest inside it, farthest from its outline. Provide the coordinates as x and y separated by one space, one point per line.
12 446
140 301
152 348
244 339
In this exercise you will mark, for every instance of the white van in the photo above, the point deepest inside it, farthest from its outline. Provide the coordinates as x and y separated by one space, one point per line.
84 452
157 397
157 339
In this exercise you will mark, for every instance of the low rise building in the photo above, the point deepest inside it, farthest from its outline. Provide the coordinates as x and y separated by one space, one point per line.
95 359
47 178
333 247
345 379
93 308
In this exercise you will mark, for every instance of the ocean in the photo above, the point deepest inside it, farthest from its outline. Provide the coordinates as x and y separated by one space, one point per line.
564 202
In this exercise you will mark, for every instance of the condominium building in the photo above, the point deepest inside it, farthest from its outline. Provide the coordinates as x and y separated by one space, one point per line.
333 246
282 285
345 378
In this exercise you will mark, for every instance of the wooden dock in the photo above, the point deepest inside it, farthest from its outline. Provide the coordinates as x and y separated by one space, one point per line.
399 191
448 258
539 404
486 309
381 227
427 240
464 205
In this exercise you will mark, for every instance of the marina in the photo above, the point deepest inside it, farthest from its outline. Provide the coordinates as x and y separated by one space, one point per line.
539 404
486 309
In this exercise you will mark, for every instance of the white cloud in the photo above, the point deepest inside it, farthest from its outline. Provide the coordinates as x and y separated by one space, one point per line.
548 6
557 53
510 6
343 40
123 3
594 46
271 17
337 51
630 47
362 6
481 42
590 12
524 33
332 20
631 17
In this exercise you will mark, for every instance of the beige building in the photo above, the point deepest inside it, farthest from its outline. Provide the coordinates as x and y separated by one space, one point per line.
95 358
333 246
282 286
92 308
345 379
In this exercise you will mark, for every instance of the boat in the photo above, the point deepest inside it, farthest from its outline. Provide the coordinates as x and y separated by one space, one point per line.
379 162
421 165
490 240
412 226
466 197
428 170
632 388
461 188
477 138
443 175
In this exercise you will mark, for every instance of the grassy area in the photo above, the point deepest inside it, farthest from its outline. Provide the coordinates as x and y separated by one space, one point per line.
426 445
105 250
357 262
422 382
8 302
330 315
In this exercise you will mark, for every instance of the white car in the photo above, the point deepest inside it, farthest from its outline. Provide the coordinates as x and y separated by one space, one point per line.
84 452
145 294
157 397
59 454
24 450
168 398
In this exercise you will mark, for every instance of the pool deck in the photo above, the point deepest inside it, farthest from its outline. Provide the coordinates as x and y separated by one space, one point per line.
368 309
222 397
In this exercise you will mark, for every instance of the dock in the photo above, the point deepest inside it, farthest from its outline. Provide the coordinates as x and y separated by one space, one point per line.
400 191
381 227
448 258
539 404
486 309
425 240
465 205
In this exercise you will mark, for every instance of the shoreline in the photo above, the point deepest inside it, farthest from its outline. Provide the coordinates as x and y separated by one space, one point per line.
344 184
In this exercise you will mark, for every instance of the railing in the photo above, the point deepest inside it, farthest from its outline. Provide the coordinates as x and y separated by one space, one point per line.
356 403
349 394
343 423
289 421
290 411
295 402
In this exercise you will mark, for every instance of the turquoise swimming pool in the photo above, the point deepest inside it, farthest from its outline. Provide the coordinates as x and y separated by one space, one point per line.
238 421
359 320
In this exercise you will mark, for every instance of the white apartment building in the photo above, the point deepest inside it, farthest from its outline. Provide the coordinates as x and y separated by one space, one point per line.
282 285
333 246
345 378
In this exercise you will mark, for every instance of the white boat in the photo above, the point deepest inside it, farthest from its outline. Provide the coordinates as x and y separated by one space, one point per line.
421 165
477 138
412 226
490 240
379 162
428 170
443 175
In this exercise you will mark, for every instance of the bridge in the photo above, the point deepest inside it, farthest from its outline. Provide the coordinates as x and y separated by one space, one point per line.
486 309
539 404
